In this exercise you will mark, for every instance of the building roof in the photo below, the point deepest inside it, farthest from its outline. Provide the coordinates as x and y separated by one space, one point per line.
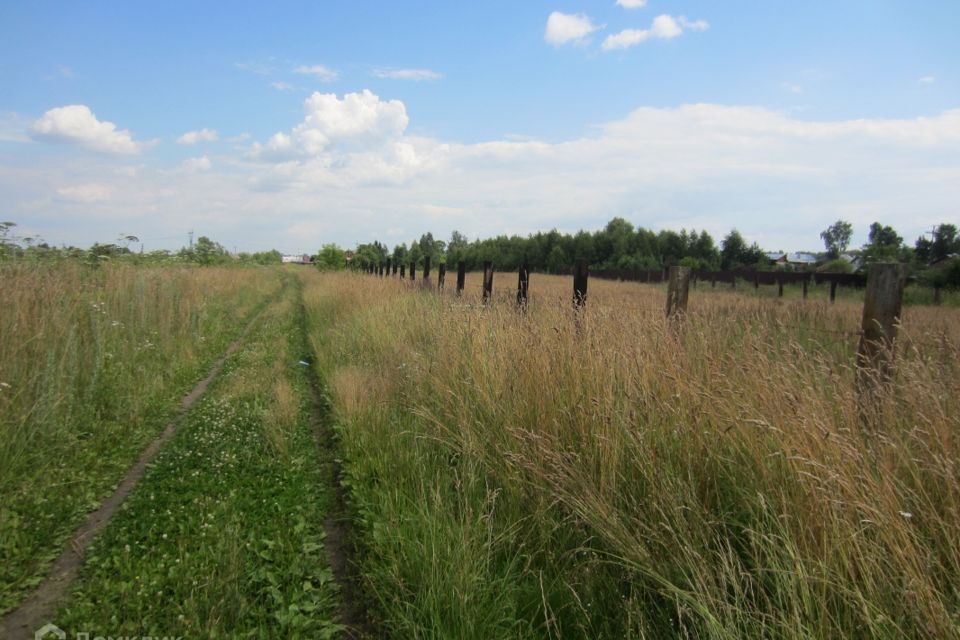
802 258
798 257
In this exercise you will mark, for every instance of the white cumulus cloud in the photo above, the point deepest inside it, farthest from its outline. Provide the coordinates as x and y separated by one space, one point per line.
417 75
201 135
779 178
319 71
663 27
358 120
563 28
85 193
632 4
77 124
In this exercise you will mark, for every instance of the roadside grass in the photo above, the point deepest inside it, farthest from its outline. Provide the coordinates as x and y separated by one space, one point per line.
527 475
92 364
223 538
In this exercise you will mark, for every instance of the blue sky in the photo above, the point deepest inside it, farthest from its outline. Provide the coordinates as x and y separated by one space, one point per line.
775 118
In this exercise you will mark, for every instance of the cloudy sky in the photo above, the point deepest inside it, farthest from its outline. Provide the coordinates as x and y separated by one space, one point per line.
289 125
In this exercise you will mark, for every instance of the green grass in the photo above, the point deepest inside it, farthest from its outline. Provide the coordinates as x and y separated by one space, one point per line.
527 475
92 364
224 535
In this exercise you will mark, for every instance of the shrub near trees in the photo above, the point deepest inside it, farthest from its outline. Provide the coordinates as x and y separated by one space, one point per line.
330 258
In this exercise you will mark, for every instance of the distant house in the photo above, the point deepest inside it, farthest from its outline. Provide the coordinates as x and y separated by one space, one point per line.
796 259
777 257
802 259
300 259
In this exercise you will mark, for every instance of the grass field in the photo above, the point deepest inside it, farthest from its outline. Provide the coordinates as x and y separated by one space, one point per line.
92 362
543 473
224 537
529 475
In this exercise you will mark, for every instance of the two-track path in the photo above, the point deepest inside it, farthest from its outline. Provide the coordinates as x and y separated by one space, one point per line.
40 605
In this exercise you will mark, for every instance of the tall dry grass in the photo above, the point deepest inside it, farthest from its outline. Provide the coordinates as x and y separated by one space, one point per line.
616 476
91 362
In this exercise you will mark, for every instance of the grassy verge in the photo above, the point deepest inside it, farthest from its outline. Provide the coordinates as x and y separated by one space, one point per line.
92 363
224 535
515 476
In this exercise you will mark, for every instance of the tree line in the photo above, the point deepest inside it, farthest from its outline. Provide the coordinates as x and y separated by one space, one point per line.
620 245
204 252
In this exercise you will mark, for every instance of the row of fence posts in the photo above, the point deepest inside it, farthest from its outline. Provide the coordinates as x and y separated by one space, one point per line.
937 288
804 282
390 267
580 277
883 302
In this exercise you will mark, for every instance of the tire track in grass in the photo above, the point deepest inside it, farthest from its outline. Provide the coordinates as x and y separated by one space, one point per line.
224 538
38 607
353 614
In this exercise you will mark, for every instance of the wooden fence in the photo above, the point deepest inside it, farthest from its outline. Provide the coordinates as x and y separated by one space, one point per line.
748 277
881 309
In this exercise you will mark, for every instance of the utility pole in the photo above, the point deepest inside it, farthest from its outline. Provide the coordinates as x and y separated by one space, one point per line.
190 233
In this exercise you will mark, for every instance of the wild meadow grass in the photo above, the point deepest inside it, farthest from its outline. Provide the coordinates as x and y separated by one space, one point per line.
615 475
92 362
224 536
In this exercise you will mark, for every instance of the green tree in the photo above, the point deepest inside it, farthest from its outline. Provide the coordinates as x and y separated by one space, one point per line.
415 254
735 252
558 261
733 247
583 246
671 247
372 254
884 244
208 252
330 258
836 238
399 255
457 247
945 242
703 249
433 248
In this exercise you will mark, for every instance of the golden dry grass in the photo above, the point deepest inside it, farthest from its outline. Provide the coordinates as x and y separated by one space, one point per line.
723 464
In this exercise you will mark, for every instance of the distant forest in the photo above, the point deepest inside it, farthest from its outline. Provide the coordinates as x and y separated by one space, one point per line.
619 245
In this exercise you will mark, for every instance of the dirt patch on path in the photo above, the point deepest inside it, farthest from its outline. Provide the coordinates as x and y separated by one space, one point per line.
39 606
353 613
